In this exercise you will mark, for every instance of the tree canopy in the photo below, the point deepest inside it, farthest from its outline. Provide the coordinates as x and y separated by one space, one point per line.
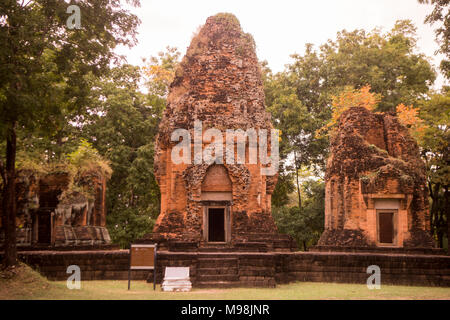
46 72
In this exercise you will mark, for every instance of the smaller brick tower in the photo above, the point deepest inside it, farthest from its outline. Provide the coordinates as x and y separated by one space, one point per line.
376 193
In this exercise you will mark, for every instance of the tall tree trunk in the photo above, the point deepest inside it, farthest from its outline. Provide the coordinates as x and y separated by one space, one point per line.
298 182
447 212
9 199
434 210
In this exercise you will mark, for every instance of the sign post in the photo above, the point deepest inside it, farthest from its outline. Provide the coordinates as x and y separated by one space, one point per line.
143 257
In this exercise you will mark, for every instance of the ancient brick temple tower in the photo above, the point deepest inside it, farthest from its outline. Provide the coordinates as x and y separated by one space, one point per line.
218 83
376 193
52 214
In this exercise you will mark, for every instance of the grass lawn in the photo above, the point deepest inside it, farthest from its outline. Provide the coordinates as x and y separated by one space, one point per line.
25 283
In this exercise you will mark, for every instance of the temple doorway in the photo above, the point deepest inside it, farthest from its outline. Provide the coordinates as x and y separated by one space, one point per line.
216 198
44 227
386 229
216 223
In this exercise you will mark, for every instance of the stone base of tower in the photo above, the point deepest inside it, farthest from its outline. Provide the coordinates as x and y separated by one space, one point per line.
354 240
249 242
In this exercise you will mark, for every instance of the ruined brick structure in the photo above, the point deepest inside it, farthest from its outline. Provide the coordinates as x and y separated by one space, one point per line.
50 214
376 192
218 83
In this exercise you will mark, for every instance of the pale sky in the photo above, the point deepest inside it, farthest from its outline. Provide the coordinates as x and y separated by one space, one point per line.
280 27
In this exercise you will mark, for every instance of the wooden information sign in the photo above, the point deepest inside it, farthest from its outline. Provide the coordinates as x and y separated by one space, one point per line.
143 257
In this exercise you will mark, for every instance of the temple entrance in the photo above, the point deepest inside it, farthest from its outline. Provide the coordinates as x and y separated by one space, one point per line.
216 198
44 227
386 227
216 223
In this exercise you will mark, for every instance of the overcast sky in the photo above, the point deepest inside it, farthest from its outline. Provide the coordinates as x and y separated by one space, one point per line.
280 27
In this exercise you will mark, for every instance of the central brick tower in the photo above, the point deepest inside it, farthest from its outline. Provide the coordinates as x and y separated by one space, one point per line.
219 84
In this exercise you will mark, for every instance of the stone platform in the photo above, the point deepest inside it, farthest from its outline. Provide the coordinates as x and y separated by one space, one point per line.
389 250
251 269
46 247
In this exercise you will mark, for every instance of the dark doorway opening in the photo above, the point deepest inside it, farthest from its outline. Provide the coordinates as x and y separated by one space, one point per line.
44 227
386 227
216 224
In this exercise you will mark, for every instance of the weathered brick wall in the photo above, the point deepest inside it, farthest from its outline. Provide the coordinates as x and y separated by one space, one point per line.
251 269
94 265
426 270
257 270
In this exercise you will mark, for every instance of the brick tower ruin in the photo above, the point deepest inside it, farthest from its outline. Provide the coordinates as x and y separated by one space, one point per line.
52 214
218 83
376 193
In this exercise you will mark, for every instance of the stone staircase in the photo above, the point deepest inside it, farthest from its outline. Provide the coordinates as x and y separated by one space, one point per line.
217 271
215 248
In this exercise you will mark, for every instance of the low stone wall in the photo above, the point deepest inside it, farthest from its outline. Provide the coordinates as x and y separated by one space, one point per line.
398 269
94 265
250 269
40 247
367 249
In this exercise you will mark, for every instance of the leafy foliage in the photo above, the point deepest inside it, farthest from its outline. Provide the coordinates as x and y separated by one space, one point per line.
441 15
304 224
46 73
122 125
435 148
160 71
86 159
409 117
350 98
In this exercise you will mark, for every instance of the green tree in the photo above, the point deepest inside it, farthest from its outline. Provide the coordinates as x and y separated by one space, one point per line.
441 15
40 58
160 71
283 189
387 62
122 125
304 224
299 146
435 150
300 98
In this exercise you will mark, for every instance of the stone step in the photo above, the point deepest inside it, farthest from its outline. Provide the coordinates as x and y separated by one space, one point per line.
215 249
256 246
251 246
217 263
217 284
219 270
218 255
217 277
